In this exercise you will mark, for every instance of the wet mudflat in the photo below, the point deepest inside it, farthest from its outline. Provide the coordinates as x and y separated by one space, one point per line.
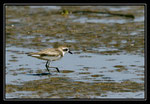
108 47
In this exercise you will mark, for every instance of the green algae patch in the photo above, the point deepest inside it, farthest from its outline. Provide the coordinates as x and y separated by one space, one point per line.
120 68
42 27
96 75
65 88
84 73
67 71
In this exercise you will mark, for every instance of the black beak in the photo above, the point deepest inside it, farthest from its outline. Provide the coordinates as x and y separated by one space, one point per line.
70 52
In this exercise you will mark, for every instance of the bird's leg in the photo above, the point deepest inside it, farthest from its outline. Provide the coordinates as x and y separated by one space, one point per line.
55 68
47 65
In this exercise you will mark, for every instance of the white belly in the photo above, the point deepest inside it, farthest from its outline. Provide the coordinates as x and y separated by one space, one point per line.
52 58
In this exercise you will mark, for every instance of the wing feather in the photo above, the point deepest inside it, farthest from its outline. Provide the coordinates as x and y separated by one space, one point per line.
49 52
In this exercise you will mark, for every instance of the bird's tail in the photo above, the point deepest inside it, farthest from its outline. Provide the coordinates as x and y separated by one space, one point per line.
29 53
33 54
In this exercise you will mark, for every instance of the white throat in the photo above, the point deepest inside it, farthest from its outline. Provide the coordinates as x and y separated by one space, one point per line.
63 53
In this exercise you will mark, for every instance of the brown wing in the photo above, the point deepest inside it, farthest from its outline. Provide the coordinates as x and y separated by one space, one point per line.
49 52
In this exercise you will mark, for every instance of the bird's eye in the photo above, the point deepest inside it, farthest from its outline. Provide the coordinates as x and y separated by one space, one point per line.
65 49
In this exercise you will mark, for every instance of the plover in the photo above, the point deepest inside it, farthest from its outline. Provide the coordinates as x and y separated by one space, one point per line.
50 54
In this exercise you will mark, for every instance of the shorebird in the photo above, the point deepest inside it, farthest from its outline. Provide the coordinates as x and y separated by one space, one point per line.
51 54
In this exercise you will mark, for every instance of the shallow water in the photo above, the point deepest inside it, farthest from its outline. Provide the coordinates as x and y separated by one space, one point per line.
82 67
108 52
